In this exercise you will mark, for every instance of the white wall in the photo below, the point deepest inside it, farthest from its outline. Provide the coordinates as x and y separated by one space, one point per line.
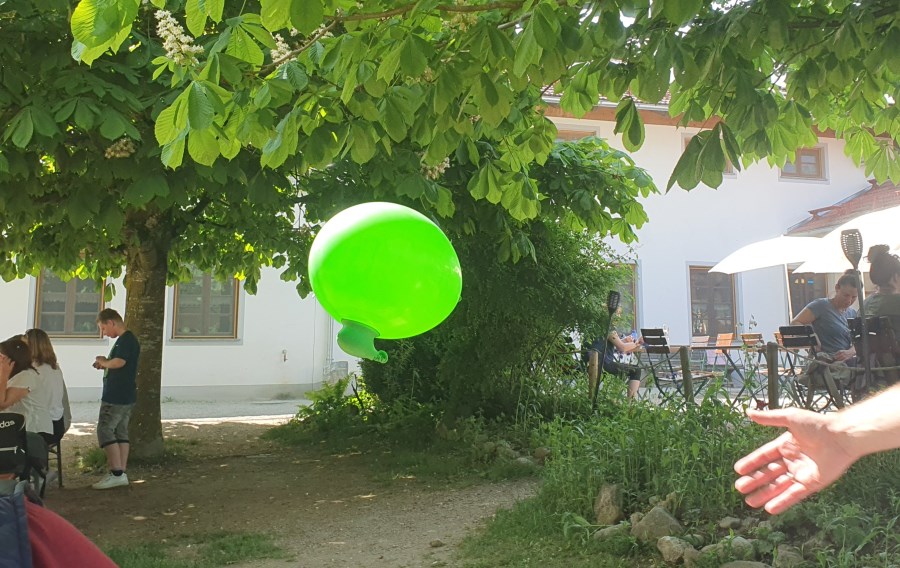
702 226
283 348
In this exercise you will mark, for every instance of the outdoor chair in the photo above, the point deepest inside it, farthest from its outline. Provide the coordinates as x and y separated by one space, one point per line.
14 446
664 367
815 388
717 359
698 357
884 353
54 452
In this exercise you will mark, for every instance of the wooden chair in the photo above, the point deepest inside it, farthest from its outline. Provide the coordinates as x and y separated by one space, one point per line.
698 358
717 360
814 391
665 369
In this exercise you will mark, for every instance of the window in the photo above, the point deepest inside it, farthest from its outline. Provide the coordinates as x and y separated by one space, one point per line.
627 287
566 135
712 302
729 167
806 287
809 164
205 308
67 309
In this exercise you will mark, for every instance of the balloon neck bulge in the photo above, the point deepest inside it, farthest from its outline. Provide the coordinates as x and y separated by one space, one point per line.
358 339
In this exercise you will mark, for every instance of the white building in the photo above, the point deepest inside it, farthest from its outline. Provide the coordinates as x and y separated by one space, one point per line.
222 343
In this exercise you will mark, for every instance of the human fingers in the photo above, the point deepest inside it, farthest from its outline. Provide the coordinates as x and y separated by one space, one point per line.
792 495
766 493
760 477
762 456
780 418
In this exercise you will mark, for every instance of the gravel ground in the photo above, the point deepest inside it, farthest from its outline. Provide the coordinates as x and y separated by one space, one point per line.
177 410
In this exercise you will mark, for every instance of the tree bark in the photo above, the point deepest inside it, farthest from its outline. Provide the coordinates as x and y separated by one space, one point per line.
145 284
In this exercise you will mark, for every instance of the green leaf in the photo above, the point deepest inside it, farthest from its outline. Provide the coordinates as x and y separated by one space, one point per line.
203 146
686 173
546 26
173 153
307 15
528 52
195 16
412 56
113 125
144 189
295 74
200 109
24 129
390 63
242 46
84 116
166 128
276 14
215 8
361 142
629 122
43 122
679 12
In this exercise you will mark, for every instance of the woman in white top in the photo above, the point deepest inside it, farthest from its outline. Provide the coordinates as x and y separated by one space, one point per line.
21 388
44 360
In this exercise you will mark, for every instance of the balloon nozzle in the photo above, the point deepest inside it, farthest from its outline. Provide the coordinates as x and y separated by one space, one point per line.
358 339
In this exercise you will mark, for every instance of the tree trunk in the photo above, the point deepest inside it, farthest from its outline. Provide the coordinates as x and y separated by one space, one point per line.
145 285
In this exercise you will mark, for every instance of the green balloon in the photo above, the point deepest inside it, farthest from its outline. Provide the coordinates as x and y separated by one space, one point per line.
383 270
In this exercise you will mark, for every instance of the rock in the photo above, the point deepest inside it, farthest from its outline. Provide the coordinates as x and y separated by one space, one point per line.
436 543
814 544
744 564
729 523
672 503
524 462
656 524
787 556
608 505
541 454
614 531
695 539
691 557
489 448
635 518
504 450
672 548
740 547
748 523
765 525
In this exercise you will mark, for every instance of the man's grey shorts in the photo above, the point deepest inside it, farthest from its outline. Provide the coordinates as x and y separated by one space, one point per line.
112 426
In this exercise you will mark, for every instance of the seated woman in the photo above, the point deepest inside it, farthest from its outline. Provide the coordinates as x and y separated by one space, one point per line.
885 273
22 391
608 350
44 361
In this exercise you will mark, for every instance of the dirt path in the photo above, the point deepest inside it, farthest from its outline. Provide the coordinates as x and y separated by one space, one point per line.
325 510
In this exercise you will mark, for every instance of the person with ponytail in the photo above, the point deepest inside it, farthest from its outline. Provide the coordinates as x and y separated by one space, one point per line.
884 271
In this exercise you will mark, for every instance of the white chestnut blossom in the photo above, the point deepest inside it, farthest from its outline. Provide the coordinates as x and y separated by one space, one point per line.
281 49
179 45
434 172
121 148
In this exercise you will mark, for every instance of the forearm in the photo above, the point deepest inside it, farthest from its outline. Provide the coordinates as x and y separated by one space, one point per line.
870 426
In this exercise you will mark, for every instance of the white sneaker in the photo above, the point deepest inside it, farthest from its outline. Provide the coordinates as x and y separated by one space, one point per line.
111 481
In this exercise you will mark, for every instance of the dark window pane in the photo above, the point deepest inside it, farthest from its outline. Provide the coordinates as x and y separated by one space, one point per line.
712 302
205 307
67 308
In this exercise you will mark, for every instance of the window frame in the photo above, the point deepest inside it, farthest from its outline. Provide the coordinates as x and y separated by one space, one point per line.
822 170
704 269
205 314
69 310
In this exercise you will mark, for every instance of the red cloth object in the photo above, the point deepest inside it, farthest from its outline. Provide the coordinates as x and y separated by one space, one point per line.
56 543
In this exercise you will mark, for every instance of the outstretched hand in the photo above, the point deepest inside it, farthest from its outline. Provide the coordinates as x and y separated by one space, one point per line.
802 461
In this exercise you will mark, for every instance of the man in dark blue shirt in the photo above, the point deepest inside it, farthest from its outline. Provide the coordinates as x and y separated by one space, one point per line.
119 396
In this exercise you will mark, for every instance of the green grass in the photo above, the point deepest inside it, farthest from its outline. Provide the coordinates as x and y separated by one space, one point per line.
198 551
175 451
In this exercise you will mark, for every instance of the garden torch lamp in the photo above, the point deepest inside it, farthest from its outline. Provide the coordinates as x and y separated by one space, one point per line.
612 304
852 245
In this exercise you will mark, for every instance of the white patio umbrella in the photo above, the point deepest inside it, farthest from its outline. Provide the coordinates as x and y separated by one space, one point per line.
880 227
769 252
